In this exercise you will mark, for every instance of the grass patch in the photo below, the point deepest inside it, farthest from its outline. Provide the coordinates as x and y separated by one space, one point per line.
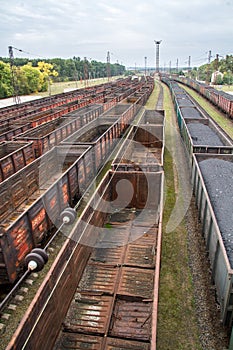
152 101
224 87
223 121
177 324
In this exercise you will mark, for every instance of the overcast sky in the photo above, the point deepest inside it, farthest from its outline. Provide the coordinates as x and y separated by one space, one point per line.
125 28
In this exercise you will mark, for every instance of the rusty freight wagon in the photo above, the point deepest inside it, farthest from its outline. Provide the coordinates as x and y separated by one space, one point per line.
102 133
109 299
48 135
54 101
143 149
10 132
33 198
87 113
37 194
13 157
33 207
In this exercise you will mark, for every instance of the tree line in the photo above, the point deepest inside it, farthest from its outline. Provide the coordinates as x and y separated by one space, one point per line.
224 66
28 76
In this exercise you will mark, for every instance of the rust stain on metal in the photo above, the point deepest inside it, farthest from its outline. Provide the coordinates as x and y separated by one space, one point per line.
98 278
116 344
128 320
143 256
88 314
149 236
107 256
136 282
70 341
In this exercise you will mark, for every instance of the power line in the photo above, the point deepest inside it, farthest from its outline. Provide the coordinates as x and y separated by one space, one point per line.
28 53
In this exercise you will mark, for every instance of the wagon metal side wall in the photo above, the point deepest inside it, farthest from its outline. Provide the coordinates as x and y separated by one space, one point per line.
222 273
31 226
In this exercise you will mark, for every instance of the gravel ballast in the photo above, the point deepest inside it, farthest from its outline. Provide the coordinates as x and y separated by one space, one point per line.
218 175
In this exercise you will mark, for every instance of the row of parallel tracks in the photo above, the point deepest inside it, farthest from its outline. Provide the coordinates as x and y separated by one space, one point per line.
209 116
113 303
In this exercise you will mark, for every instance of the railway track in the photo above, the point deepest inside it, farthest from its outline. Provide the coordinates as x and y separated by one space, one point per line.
141 228
27 195
195 102
210 153
101 292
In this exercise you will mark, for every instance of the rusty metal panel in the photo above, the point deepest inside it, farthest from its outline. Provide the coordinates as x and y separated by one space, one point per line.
122 216
88 314
38 219
131 320
98 278
109 256
142 256
71 341
148 217
142 234
136 282
123 344
117 235
145 236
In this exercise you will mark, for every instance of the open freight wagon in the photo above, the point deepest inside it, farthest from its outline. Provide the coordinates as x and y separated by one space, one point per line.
213 190
113 227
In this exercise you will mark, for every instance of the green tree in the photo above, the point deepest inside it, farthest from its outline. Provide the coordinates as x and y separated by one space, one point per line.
47 72
33 78
225 66
6 89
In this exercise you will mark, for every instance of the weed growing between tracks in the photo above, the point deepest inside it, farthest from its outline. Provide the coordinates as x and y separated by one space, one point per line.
177 323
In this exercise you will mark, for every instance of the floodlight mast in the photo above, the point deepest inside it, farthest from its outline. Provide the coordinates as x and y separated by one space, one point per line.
108 66
145 65
157 43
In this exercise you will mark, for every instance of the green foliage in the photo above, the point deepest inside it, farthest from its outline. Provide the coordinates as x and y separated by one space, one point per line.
35 75
225 66
5 80
28 79
33 79
219 80
228 78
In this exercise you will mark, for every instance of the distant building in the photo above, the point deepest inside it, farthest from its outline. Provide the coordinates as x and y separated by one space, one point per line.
215 77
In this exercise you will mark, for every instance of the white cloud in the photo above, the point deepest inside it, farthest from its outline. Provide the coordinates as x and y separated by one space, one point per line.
126 28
